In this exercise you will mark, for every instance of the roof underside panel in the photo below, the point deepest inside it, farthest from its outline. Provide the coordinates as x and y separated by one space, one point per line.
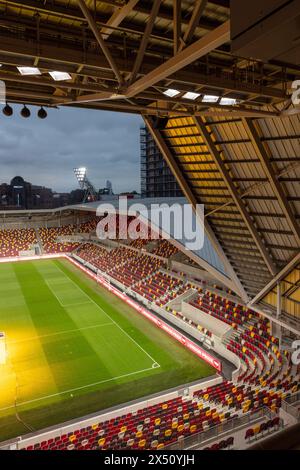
252 184
289 292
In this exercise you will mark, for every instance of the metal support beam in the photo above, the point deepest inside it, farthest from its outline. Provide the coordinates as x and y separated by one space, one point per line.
93 25
198 49
263 156
233 282
14 51
117 17
176 24
234 193
279 299
193 23
145 39
286 270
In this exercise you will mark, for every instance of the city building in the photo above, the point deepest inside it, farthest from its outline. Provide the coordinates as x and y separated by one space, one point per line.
20 194
109 187
157 179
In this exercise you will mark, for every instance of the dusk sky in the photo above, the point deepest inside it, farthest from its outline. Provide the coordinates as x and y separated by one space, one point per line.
44 152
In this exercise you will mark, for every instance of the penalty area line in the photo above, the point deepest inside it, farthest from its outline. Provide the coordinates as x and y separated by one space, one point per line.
28 402
108 316
57 333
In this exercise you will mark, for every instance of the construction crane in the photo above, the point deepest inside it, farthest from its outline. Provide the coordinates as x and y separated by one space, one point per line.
90 193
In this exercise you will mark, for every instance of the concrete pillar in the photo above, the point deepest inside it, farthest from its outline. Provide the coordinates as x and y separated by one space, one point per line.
279 300
276 330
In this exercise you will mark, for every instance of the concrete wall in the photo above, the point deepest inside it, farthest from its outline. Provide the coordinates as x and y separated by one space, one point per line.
187 296
214 325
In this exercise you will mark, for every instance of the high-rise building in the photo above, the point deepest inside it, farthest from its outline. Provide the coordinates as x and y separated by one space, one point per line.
157 179
109 187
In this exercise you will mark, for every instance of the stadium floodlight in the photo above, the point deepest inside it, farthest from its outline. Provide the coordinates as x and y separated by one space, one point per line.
2 348
228 101
60 76
191 95
84 183
210 99
171 92
29 70
80 173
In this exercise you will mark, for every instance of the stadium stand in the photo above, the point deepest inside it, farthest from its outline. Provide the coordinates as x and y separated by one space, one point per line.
265 376
227 132
49 239
12 241
165 249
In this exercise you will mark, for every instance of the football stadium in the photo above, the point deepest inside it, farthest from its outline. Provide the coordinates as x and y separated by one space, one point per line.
142 342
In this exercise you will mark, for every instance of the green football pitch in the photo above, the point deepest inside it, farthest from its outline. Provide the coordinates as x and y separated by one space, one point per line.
73 348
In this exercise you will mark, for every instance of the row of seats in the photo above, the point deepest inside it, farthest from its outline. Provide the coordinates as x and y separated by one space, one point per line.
127 266
12 241
165 249
159 288
152 427
266 427
222 445
49 237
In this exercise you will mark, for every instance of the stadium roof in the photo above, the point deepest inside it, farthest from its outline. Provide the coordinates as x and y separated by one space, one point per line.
241 160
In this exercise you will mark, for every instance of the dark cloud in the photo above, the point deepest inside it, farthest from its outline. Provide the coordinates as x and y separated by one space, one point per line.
46 151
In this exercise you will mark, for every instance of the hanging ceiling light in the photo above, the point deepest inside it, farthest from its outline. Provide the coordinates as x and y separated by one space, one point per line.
59 76
171 92
42 114
210 99
25 112
29 70
228 101
191 95
7 110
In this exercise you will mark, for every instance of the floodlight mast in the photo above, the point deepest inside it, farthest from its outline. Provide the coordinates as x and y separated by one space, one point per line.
90 193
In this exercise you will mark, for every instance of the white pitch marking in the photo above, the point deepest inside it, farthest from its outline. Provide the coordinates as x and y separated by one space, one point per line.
75 389
155 365
60 302
62 332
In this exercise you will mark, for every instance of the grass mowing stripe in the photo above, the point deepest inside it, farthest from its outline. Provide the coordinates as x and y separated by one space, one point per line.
66 361
178 366
77 388
95 303
14 320
65 280
63 332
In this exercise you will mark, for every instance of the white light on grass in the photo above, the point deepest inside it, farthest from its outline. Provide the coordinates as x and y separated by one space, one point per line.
2 348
